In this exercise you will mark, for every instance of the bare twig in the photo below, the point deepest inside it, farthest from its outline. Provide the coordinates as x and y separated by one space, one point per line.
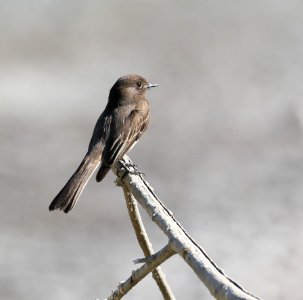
144 242
219 285
152 262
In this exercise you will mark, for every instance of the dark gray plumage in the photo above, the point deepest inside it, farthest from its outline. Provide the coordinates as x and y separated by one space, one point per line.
125 118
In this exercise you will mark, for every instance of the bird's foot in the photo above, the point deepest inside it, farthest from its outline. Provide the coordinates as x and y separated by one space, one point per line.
128 168
137 171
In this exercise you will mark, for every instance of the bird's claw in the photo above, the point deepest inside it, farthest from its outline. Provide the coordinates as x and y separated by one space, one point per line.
129 168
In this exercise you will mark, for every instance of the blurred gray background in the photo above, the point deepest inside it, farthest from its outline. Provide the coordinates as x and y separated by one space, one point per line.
223 151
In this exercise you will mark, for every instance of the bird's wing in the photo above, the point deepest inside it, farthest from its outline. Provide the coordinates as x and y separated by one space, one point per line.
123 135
101 132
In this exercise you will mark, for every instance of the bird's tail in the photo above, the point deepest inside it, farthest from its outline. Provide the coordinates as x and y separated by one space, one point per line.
70 193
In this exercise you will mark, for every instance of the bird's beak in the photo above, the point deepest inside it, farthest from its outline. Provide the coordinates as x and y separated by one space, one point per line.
150 85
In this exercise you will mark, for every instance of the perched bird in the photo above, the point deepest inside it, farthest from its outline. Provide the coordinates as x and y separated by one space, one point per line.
125 118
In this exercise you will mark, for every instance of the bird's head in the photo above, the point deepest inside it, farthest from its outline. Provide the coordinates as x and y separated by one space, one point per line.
130 86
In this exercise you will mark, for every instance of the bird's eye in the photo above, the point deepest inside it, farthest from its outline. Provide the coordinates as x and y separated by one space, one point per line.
139 84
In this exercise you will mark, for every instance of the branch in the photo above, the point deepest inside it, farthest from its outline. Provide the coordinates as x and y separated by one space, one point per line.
152 262
218 284
144 242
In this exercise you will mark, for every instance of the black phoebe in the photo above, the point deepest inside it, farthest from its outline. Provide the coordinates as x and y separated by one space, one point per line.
125 118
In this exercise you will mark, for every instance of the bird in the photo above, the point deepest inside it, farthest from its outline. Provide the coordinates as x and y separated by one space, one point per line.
123 121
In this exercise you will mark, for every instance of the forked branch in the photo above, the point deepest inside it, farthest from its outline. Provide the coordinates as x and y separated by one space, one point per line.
144 242
219 285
